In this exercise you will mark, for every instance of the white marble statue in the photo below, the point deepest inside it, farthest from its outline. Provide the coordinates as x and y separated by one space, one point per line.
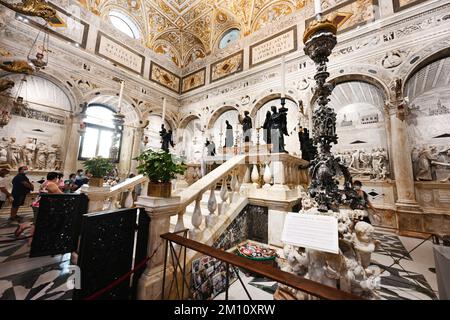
51 157
41 159
350 270
364 242
29 152
3 154
15 153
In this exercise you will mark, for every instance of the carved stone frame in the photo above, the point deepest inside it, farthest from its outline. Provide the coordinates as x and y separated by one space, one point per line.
56 33
241 67
161 84
97 48
398 7
293 28
190 74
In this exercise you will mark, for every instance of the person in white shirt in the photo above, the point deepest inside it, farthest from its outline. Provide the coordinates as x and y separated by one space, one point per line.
4 193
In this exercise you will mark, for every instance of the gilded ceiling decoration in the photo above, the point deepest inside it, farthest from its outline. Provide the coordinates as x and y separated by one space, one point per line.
187 30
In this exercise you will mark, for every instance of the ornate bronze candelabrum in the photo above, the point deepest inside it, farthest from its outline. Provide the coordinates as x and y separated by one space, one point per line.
320 39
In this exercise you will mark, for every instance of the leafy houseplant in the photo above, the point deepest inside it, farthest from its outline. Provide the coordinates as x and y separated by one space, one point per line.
99 167
160 167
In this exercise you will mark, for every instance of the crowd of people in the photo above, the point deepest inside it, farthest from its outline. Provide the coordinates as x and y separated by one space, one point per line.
55 183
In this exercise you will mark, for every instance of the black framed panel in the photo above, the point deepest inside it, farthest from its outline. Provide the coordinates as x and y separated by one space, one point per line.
57 225
106 253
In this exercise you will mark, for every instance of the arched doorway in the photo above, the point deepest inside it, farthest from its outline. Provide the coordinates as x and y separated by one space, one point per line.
428 92
217 126
36 132
361 127
259 113
152 130
192 141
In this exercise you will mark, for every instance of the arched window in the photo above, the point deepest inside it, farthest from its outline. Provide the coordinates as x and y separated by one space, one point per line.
98 139
124 23
229 37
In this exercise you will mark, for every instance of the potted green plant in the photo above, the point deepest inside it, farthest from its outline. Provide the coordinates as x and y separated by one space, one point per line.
99 167
160 167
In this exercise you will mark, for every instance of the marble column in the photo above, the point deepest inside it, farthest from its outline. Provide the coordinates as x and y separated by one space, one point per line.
159 210
401 159
73 135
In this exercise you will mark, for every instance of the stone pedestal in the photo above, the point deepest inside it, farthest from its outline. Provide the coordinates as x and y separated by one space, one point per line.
159 210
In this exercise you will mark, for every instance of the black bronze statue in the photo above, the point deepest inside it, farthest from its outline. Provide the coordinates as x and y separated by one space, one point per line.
266 128
246 126
229 139
278 129
210 148
309 151
166 138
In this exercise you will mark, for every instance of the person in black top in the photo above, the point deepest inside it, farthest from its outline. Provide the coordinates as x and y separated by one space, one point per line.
365 202
21 187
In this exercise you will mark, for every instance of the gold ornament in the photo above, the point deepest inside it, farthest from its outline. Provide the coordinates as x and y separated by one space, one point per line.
16 66
6 84
37 8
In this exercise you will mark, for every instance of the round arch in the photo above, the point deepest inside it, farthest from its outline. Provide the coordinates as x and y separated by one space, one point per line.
185 121
71 95
361 77
429 54
110 98
217 113
170 116
262 101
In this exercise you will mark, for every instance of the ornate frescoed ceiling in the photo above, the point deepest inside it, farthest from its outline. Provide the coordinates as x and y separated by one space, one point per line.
186 30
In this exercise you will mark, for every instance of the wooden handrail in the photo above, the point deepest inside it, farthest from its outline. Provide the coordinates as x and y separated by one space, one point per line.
286 278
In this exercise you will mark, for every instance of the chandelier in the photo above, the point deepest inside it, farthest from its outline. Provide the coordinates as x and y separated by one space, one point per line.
40 59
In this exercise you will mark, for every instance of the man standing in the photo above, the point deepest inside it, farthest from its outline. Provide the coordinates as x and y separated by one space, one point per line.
4 193
21 187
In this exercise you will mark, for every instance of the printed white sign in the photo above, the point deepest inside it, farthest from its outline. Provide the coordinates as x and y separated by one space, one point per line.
283 43
311 231
120 54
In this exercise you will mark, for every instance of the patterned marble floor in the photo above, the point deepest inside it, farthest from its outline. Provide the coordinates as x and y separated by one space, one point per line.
411 279
24 278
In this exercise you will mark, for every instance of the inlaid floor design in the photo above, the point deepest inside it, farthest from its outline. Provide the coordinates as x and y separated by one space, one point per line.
24 278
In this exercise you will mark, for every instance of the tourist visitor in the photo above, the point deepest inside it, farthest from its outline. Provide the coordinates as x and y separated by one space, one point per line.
21 188
69 184
61 181
50 186
365 202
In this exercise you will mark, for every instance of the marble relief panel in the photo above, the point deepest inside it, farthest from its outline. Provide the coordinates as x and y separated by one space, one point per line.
164 77
227 66
193 80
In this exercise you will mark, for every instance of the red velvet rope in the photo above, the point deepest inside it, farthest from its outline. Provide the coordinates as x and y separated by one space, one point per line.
117 281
